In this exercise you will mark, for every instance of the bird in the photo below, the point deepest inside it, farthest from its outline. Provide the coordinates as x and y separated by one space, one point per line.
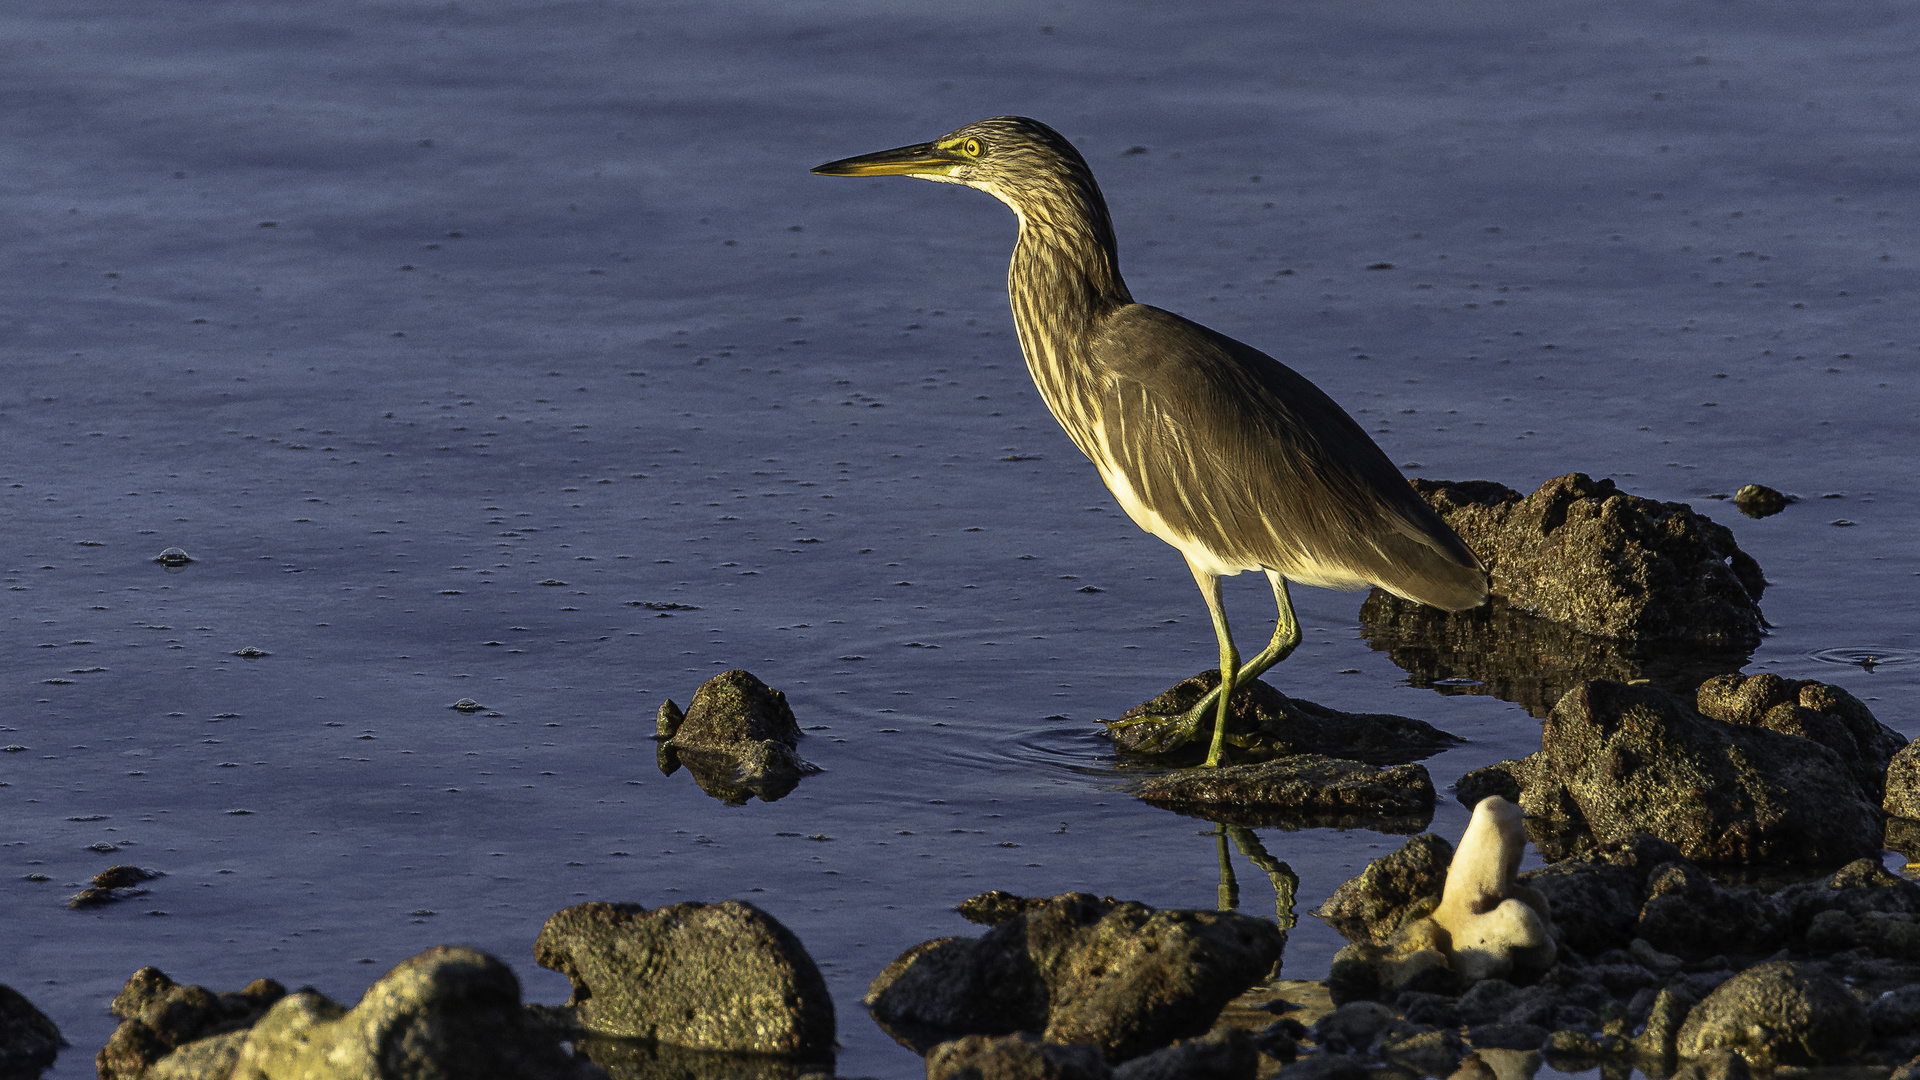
1233 458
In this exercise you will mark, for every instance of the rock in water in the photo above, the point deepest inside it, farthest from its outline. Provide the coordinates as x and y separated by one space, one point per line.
28 1040
1120 975
450 1011
1302 791
1583 552
1781 1013
158 1016
1758 500
737 738
1392 891
1812 710
721 976
1618 760
1263 723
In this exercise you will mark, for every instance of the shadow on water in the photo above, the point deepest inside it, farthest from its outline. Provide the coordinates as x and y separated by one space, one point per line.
1502 652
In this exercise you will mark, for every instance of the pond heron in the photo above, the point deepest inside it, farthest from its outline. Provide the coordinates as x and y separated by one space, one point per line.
1208 444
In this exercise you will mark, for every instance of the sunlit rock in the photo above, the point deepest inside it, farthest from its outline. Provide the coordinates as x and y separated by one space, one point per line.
1076 968
1263 724
724 977
1780 1013
1582 552
738 738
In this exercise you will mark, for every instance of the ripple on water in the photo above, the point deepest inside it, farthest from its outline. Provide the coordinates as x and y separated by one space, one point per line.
1864 656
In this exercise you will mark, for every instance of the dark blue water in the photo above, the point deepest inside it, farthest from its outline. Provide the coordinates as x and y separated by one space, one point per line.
445 337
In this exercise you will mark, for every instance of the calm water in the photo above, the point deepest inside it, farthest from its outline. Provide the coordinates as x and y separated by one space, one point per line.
446 337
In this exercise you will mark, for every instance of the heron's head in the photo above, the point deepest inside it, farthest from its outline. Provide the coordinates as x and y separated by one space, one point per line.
1011 158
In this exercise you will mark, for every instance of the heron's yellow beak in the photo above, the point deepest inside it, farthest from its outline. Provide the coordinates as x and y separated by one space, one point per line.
921 159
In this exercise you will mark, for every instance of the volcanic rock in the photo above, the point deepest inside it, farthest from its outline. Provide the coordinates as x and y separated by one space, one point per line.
1263 723
724 977
1778 1013
1582 552
1302 791
1618 760
1120 975
738 738
1392 891
1812 710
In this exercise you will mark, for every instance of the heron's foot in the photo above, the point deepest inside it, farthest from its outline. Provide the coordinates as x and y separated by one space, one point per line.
1173 732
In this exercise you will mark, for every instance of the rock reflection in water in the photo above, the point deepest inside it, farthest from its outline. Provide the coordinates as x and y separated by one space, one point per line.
1500 651
725 778
632 1059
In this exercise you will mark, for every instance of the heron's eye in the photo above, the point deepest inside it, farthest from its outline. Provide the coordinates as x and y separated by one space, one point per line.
971 148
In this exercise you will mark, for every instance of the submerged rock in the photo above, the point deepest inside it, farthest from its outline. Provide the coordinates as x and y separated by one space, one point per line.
1758 500
1263 724
112 884
738 738
1582 552
1122 976
1780 1013
1618 760
28 1040
450 1011
725 977
1303 791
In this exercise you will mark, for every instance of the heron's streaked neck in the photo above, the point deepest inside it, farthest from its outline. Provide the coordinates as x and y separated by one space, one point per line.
1066 269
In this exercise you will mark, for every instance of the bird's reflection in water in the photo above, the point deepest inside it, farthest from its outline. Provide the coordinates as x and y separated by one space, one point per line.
1505 653
1285 881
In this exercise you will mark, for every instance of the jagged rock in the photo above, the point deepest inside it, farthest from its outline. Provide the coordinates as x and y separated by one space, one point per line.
1666 1021
1903 783
1120 975
1226 1054
1582 552
1812 710
1263 723
158 1016
724 977
450 1011
1302 791
28 1040
1778 1013
738 738
1020 1056
1392 891
1618 760
1500 651
1758 500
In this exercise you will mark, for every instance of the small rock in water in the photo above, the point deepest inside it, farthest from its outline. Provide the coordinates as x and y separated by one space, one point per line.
250 653
114 883
1758 501
737 737
173 556
466 705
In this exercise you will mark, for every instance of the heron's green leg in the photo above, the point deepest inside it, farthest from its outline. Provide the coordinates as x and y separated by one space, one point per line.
1229 660
1286 637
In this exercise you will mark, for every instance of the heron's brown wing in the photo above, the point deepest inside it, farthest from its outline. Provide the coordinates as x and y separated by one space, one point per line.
1245 457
